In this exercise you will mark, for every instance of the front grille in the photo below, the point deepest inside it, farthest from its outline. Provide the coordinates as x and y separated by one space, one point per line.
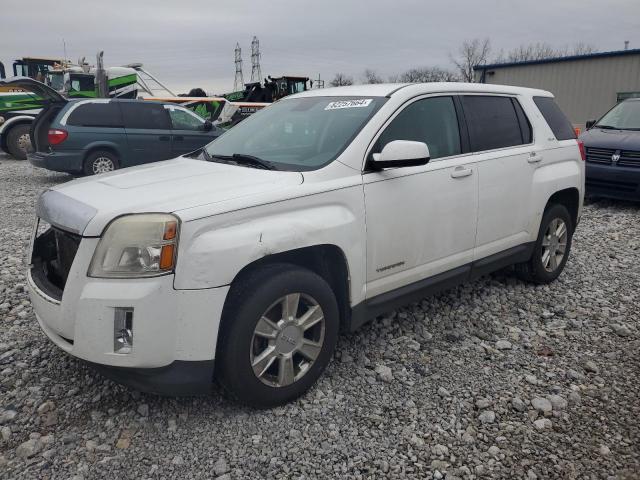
52 257
604 156
629 158
600 155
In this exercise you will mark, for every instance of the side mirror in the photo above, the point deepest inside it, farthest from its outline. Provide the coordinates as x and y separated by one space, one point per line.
207 126
590 123
402 153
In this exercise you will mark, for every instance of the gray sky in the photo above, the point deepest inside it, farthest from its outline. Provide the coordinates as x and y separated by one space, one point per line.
190 43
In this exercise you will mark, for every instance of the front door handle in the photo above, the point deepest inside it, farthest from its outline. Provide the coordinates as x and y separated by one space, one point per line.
460 172
164 138
534 157
178 137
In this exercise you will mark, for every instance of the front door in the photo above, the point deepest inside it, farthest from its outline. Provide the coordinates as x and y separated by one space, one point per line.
421 221
188 131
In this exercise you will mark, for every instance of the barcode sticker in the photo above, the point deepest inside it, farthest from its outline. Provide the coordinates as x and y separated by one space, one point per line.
361 102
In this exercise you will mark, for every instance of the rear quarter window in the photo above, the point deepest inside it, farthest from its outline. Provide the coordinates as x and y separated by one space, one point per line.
557 121
493 122
96 115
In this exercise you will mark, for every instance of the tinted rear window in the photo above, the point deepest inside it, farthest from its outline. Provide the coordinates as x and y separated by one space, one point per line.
492 122
96 115
145 115
560 125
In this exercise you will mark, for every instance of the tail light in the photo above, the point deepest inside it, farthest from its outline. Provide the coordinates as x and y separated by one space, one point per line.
583 154
56 136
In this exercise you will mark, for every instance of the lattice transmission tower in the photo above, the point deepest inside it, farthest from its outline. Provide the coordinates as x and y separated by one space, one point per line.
256 73
238 82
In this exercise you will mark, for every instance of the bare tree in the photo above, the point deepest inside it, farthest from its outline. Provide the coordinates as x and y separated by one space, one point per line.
370 76
427 74
340 79
471 54
542 51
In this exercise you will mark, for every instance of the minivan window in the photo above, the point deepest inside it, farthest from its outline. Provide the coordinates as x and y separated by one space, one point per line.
559 124
298 134
103 114
430 120
184 120
145 115
492 122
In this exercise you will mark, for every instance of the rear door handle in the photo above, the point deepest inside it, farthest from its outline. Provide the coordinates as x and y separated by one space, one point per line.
164 138
460 172
534 157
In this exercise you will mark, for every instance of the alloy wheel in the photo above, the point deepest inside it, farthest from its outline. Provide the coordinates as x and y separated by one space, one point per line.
102 165
287 339
554 244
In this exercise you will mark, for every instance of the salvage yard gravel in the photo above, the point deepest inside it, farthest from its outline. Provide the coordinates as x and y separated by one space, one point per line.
494 379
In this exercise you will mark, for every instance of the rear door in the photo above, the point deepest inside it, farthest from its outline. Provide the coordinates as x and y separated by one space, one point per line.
148 131
188 130
502 141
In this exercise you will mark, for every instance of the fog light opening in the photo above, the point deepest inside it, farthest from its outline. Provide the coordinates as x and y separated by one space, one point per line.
123 330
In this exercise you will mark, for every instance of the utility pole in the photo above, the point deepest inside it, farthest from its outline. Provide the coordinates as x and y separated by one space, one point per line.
256 73
238 82
319 82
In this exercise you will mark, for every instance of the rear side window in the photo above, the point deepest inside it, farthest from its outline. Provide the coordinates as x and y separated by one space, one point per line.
560 125
96 115
432 121
145 115
493 122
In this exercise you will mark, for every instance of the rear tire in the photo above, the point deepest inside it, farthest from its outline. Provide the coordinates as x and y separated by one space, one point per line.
19 141
266 356
551 249
101 161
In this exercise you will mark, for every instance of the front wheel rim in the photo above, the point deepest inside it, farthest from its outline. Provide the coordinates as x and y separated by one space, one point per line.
102 165
287 340
554 244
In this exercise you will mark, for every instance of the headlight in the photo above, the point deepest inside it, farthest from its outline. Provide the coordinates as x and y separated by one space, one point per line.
141 245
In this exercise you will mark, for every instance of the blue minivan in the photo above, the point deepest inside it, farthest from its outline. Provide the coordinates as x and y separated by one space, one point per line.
90 136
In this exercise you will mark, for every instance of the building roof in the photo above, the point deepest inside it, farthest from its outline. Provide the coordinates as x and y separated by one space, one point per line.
615 53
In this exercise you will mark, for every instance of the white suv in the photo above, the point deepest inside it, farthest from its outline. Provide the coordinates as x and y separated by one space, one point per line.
322 211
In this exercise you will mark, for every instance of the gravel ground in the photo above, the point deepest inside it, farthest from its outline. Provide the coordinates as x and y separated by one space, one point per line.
496 379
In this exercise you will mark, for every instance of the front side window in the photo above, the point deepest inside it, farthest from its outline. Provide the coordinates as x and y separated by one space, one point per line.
492 121
624 116
184 120
432 121
298 134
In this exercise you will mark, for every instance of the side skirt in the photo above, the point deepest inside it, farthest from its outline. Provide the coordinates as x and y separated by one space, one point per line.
385 302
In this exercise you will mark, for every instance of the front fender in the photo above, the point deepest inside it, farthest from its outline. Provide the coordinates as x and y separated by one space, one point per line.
213 250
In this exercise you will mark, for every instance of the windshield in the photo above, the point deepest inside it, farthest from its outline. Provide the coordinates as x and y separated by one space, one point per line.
56 80
624 116
298 134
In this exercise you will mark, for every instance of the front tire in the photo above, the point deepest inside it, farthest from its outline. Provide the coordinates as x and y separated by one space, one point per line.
279 330
552 247
19 141
101 161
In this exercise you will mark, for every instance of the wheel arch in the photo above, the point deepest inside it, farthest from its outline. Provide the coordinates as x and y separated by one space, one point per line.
108 147
326 260
568 197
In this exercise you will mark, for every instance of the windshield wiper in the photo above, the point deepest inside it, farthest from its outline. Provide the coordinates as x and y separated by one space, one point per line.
244 159
607 127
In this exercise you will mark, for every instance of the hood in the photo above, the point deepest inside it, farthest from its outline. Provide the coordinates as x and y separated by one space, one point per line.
87 205
613 139
31 85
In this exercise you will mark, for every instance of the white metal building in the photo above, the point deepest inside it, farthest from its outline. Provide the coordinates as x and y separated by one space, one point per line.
585 86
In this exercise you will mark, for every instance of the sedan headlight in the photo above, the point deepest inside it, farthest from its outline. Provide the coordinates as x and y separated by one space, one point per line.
140 245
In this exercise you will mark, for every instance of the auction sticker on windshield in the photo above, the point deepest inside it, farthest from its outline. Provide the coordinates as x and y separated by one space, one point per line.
361 102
